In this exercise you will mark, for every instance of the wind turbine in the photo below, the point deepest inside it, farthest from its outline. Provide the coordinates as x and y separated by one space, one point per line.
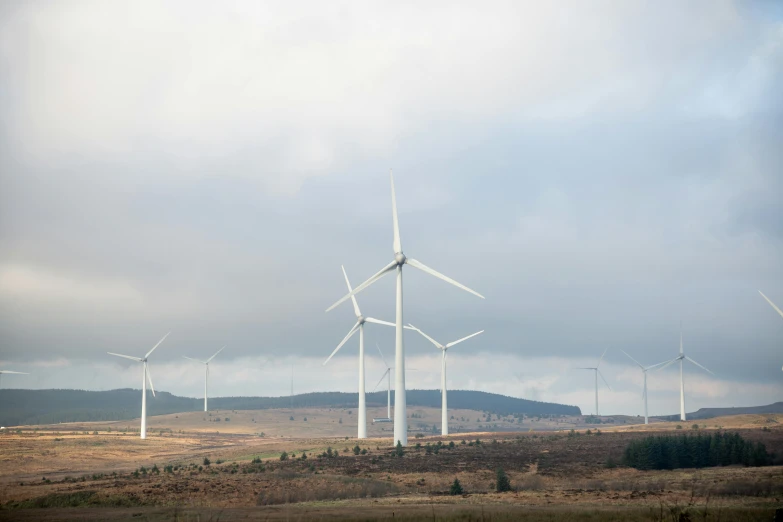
644 371
359 326
597 373
15 373
400 408
146 376
681 358
386 374
206 372
772 304
444 416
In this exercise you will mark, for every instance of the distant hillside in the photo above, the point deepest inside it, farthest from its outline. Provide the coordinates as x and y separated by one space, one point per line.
24 407
708 413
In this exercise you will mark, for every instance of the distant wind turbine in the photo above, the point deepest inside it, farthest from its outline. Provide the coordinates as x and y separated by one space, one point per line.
681 358
206 372
444 410
644 371
146 376
400 408
386 374
359 326
597 373
11 372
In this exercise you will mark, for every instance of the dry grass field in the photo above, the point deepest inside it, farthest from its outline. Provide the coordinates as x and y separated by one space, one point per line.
94 471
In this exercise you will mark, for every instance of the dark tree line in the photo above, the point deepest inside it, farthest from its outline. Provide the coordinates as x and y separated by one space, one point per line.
695 451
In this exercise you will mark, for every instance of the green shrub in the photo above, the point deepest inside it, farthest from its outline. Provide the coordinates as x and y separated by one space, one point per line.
456 488
284 456
503 483
206 461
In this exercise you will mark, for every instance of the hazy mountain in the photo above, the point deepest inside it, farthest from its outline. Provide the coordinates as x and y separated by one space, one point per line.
24 407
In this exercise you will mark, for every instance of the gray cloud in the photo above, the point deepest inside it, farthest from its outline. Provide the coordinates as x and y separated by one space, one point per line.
599 173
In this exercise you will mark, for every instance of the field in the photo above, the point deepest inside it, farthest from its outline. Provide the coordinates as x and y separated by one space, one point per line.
97 472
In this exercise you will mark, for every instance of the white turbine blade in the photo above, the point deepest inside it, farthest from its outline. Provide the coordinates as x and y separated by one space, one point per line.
771 303
353 298
634 360
397 244
192 359
378 321
153 348
345 340
137 359
430 339
18 373
585 368
655 366
149 378
217 352
382 358
700 366
382 272
449 345
602 378
602 357
661 366
382 377
424 268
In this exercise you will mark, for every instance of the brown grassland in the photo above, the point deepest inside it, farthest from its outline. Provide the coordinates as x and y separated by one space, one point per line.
94 471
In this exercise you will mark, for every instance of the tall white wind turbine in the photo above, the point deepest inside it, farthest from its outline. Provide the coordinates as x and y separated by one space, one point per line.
597 373
145 377
682 357
359 326
400 408
206 372
14 373
444 410
644 371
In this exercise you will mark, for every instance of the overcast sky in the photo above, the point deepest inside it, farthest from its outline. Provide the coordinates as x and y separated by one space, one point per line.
599 172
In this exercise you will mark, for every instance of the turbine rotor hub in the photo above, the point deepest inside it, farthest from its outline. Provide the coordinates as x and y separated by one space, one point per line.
361 319
400 258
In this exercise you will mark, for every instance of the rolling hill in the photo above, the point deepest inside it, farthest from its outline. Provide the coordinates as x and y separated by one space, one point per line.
24 407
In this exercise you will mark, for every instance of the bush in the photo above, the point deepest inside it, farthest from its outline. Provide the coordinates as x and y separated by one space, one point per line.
357 450
503 483
456 488
206 461
398 450
284 456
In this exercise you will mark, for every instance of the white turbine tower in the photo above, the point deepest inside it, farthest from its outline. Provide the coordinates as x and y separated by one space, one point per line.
206 372
444 410
400 408
359 326
14 373
681 358
644 371
145 377
772 304
597 373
